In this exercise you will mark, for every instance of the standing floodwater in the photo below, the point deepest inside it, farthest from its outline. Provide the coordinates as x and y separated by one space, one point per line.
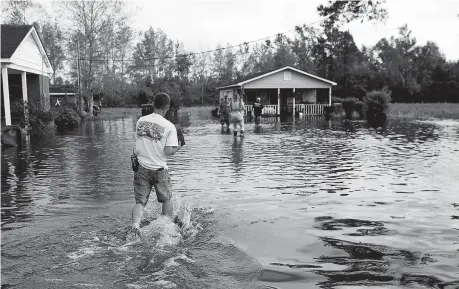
306 203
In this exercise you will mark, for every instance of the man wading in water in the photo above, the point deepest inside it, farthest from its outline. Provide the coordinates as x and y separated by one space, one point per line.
224 112
237 115
257 109
156 138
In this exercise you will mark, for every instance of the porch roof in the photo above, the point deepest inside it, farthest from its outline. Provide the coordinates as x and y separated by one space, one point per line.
264 74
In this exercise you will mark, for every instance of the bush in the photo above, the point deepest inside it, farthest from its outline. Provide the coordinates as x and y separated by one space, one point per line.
67 119
337 100
359 108
349 106
376 106
378 100
329 110
38 124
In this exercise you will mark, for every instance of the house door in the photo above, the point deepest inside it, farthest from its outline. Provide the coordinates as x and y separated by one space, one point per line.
286 103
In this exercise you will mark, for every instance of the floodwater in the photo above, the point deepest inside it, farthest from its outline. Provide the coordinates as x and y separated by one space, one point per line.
305 203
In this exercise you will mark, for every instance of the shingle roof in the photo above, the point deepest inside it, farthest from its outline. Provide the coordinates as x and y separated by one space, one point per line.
255 75
250 76
12 36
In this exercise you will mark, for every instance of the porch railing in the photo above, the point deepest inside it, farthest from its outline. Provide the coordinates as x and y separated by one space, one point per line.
306 109
247 109
310 109
267 110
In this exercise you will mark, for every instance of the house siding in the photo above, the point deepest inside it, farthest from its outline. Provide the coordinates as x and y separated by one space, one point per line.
276 80
36 85
28 54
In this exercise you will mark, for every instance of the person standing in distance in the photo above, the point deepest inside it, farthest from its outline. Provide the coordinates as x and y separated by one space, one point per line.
257 109
156 139
224 112
237 114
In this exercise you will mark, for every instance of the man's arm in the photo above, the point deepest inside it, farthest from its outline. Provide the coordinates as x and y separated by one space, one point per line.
170 151
172 144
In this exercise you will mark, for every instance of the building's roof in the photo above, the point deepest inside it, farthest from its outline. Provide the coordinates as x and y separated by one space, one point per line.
69 89
256 76
12 36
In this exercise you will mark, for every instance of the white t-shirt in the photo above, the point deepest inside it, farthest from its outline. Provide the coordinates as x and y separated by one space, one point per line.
153 134
237 110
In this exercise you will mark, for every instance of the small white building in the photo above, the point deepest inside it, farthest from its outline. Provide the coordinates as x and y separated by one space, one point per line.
25 68
283 91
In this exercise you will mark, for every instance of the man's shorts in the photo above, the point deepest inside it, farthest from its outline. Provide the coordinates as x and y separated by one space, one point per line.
237 118
224 118
145 180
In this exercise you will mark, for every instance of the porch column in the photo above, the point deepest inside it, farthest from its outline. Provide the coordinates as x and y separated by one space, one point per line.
329 96
6 96
293 112
278 101
25 98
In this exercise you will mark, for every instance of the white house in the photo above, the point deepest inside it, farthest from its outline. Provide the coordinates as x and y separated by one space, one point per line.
25 68
283 91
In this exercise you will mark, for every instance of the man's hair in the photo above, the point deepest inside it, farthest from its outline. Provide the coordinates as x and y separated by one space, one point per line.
161 101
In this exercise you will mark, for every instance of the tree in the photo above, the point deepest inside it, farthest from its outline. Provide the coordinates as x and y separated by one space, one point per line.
89 21
15 11
53 41
302 47
397 59
283 55
339 12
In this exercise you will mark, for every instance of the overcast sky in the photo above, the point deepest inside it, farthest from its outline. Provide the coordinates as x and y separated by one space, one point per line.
203 24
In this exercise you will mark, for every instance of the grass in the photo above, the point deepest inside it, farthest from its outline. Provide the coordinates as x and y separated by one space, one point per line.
399 110
424 110
112 112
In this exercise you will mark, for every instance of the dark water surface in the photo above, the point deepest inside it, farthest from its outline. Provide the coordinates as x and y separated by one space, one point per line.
306 203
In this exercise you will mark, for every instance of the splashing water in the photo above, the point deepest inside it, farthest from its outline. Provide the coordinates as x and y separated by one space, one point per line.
94 249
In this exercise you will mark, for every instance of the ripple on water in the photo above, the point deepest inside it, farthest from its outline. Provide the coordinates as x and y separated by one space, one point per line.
94 249
321 203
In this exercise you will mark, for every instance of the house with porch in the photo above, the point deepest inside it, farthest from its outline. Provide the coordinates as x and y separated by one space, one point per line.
25 69
283 91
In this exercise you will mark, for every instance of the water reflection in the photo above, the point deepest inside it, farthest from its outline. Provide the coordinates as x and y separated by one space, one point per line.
237 155
16 201
368 263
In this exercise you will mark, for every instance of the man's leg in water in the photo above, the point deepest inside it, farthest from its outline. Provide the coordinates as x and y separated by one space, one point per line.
168 208
137 214
142 189
163 190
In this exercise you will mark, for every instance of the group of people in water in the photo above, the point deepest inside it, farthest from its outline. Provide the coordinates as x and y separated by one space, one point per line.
233 112
157 138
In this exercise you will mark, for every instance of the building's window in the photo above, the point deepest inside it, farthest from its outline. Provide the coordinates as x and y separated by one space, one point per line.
287 75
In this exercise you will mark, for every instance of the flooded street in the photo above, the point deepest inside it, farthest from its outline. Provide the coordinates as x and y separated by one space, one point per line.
305 203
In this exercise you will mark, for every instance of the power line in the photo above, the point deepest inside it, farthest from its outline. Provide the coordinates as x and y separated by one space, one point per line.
203 52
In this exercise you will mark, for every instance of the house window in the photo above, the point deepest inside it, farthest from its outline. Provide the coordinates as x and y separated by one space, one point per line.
287 75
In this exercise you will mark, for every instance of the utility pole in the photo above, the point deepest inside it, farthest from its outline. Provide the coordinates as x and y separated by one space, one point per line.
78 75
